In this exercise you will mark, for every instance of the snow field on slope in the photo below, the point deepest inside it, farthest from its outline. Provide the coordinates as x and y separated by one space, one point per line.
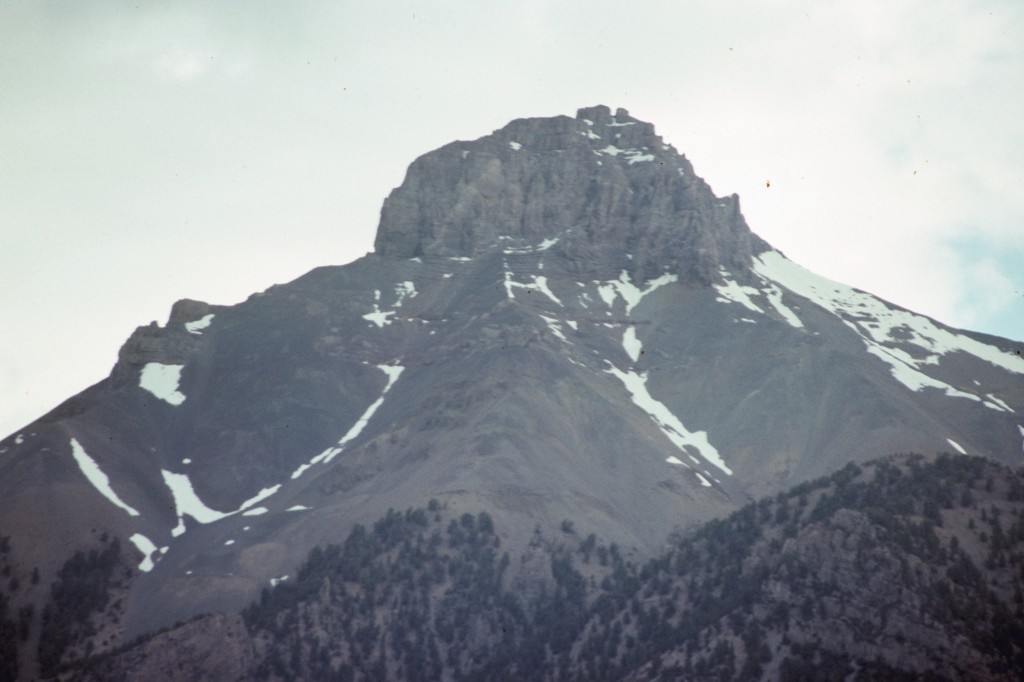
914 379
632 344
162 381
555 327
670 425
630 293
879 326
187 502
536 248
378 317
392 372
537 282
672 459
876 319
403 290
631 155
197 326
956 446
97 478
734 292
148 549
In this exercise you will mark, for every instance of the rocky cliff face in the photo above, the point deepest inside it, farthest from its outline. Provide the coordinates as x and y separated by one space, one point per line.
605 185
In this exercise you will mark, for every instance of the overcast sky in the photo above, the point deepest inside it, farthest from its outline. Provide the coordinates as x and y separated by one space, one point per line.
152 151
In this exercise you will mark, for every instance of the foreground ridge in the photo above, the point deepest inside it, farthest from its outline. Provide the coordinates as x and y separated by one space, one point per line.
904 567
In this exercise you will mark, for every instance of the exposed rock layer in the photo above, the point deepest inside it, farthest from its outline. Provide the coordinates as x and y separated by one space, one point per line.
606 185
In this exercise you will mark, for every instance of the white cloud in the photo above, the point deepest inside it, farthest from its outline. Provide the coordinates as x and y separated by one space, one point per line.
182 66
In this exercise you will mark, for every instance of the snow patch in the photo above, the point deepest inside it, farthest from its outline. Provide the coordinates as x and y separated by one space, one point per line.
19 439
638 157
197 326
515 146
148 549
875 320
274 582
883 328
631 155
956 446
913 378
378 317
607 293
99 480
996 404
392 372
255 511
775 298
228 543
629 292
162 381
632 344
733 292
404 290
538 282
187 502
508 280
703 481
258 497
541 282
554 327
670 425
536 248
297 507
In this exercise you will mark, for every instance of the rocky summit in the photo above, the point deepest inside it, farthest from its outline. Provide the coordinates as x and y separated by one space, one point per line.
564 336
611 192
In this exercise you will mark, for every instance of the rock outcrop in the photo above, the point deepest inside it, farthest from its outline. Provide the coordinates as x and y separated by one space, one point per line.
606 186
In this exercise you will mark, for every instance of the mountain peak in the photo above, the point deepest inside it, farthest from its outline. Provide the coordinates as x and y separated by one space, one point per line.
605 185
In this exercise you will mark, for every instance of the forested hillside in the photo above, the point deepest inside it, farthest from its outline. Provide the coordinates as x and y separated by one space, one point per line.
905 568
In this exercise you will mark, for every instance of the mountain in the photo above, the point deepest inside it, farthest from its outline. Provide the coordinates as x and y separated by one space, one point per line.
560 321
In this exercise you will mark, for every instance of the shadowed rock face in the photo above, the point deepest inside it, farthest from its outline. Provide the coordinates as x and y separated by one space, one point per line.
561 322
606 185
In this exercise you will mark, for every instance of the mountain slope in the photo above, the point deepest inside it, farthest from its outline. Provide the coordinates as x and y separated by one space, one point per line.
560 320
905 568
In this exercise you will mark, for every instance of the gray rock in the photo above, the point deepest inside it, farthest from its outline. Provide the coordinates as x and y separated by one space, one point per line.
605 186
